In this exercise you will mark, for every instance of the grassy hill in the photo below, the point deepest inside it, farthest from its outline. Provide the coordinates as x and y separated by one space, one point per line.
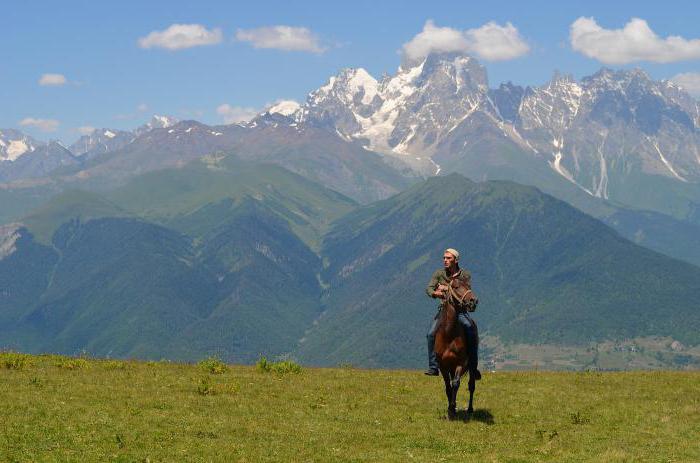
71 409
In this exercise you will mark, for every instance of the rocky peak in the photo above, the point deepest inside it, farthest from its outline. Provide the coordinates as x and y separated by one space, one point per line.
507 98
460 70
100 141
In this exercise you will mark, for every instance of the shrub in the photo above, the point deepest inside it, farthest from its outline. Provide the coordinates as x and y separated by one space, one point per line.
206 387
114 365
578 418
15 360
283 367
213 365
69 363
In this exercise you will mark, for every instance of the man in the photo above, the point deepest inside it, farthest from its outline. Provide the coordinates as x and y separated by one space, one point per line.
437 289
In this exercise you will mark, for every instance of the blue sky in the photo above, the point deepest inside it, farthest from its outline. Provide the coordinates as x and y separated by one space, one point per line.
112 80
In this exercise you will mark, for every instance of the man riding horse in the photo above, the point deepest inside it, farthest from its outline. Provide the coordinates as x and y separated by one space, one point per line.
438 288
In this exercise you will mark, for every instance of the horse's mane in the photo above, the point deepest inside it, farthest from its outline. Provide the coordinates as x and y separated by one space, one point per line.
447 320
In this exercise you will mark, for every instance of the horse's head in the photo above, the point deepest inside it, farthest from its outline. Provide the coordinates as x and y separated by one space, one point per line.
462 296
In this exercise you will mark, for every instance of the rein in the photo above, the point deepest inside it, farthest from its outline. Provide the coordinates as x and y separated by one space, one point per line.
458 300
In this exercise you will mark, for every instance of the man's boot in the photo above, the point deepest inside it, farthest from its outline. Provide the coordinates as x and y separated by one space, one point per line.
432 358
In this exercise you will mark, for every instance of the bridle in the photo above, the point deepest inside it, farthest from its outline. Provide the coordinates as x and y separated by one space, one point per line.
460 301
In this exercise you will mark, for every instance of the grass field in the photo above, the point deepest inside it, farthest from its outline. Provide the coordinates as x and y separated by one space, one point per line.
65 409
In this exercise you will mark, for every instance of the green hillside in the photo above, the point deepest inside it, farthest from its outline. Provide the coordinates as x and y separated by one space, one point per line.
68 409
545 273
225 257
124 287
66 206
17 202
166 196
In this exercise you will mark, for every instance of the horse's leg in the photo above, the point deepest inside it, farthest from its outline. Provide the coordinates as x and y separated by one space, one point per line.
472 386
455 385
451 405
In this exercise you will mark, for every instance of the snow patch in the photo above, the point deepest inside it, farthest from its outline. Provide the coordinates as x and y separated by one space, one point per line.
329 86
666 163
165 121
109 134
9 234
362 80
285 108
16 149
437 166
402 148
602 188
561 170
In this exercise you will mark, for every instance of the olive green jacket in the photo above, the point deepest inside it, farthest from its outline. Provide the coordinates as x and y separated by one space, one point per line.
440 278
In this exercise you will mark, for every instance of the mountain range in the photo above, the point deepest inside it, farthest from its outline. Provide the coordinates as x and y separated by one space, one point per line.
616 145
309 230
241 259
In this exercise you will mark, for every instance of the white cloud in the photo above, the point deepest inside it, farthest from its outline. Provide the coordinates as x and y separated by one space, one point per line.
52 79
180 36
142 107
233 114
45 125
635 42
85 130
688 81
286 38
491 42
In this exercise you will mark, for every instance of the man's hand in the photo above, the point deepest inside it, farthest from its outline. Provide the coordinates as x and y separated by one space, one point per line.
440 291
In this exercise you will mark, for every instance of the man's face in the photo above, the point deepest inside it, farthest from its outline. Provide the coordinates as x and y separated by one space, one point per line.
448 259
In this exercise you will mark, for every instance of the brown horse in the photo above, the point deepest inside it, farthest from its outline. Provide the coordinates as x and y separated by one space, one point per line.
450 343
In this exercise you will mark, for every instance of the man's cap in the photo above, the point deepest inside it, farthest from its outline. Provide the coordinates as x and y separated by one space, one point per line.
454 252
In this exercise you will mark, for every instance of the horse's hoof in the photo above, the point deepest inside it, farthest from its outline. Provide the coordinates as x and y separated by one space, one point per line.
451 413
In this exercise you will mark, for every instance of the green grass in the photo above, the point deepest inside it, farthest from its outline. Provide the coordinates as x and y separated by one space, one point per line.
159 411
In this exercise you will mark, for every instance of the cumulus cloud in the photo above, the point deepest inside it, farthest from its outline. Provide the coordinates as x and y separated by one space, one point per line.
180 36
45 125
53 79
688 81
635 42
285 38
85 130
233 114
491 42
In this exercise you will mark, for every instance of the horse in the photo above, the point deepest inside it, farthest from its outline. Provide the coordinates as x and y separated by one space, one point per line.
450 343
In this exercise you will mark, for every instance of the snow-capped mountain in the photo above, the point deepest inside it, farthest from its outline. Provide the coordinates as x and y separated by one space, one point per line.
38 162
22 157
610 127
101 141
14 144
611 135
156 122
405 114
